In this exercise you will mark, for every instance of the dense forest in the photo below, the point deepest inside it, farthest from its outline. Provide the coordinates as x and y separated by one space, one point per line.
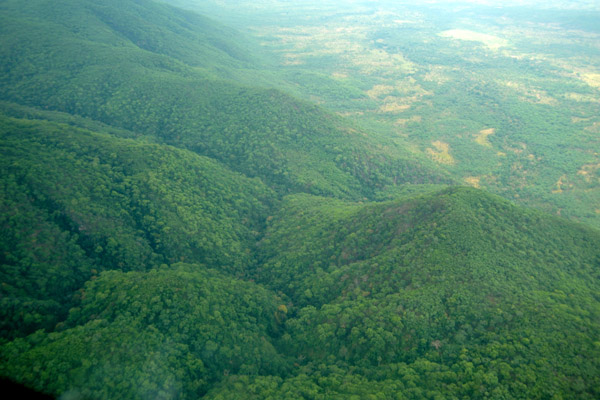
190 210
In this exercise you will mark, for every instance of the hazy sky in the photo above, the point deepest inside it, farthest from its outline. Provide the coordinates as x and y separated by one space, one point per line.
567 4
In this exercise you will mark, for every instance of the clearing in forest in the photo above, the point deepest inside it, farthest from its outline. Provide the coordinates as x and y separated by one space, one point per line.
482 137
473 181
491 41
441 153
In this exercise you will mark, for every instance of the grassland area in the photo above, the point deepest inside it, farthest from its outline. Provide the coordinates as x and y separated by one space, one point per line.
505 99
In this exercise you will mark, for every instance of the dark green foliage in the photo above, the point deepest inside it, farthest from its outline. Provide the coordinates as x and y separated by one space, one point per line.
448 277
41 263
76 202
159 334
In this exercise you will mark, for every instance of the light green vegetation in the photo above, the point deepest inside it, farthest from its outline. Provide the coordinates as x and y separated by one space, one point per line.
438 75
164 96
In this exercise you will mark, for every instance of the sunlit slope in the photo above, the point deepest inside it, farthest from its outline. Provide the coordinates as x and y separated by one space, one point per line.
496 299
159 72
76 202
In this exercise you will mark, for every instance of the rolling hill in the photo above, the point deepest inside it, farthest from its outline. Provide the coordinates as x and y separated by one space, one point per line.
174 229
160 93
432 278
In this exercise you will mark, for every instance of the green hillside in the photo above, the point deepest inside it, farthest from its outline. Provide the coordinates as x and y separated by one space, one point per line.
444 278
454 293
158 93
166 333
76 202
176 226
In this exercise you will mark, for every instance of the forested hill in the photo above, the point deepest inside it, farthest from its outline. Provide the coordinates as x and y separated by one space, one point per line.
453 293
447 293
77 202
170 230
139 71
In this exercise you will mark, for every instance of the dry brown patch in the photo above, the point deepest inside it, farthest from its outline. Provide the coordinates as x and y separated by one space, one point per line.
491 41
473 181
482 137
441 153
406 92
410 87
379 62
339 75
589 171
379 90
592 79
562 185
582 98
303 40
350 113
436 75
404 121
393 107
516 150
